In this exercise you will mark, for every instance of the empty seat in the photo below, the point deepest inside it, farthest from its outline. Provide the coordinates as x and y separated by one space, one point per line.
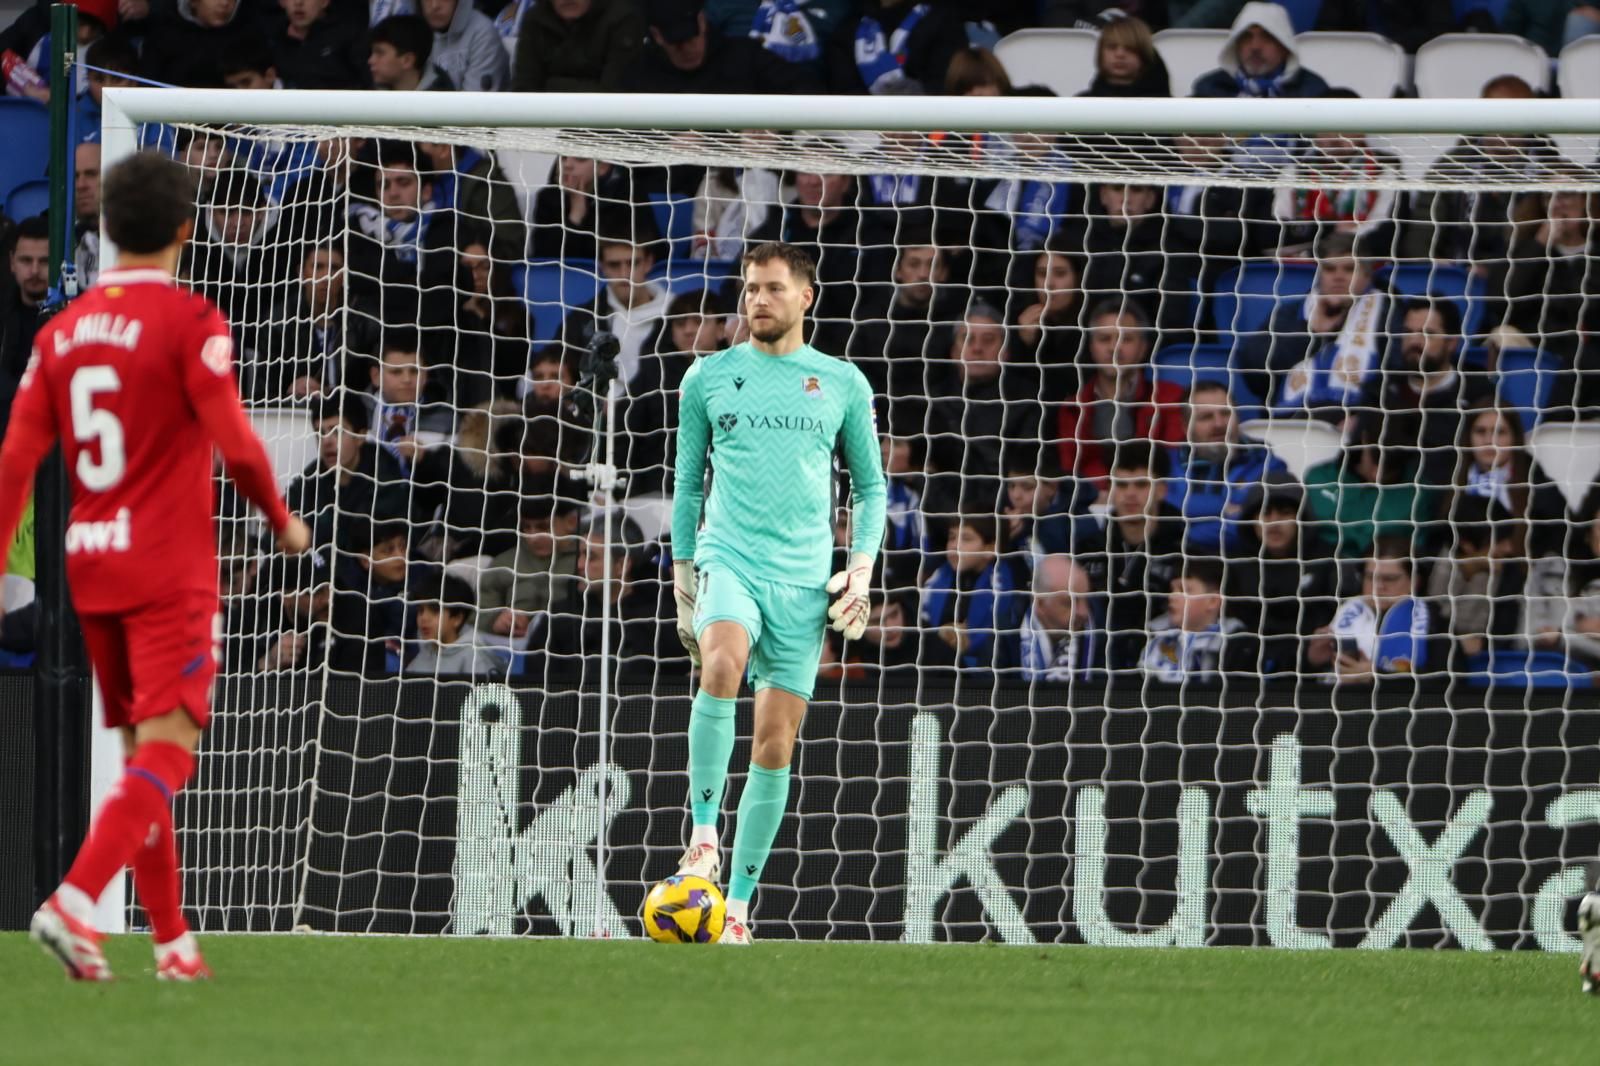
1525 379
1372 65
1447 280
25 132
1578 77
1246 296
28 199
1189 54
1063 60
1457 65
552 289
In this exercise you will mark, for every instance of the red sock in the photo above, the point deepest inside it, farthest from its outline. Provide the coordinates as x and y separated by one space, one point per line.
155 878
138 802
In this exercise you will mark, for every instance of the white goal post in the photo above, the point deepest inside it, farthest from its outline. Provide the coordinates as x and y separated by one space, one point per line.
1026 799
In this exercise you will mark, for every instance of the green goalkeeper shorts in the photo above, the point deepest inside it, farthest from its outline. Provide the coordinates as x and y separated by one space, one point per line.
785 624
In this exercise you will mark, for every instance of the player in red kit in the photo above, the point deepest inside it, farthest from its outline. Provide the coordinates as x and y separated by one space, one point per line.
135 378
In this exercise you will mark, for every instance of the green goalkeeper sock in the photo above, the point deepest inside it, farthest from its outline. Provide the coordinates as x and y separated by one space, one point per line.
766 794
710 746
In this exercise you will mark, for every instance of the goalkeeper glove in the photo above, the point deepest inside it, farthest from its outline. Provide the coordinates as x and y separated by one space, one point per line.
683 591
849 612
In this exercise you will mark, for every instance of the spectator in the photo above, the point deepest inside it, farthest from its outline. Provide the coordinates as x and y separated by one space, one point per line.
523 582
1063 635
401 48
584 198
109 63
492 309
1220 223
466 49
823 220
1338 183
1476 587
1259 59
976 72
1197 641
1126 62
984 410
894 41
1282 583
577 46
630 307
887 651
408 416
86 211
321 331
233 259
1046 328
897 324
316 48
1550 24
682 56
369 601
1216 473
1562 596
647 414
1022 214
1035 513
450 646
1119 401
185 47
22 296
351 473
400 244
1423 392
498 458
1319 354
470 183
299 637
1131 254
970 602
906 541
1386 629
786 28
1493 462
1370 491
1553 272
1467 210
640 640
249 64
731 203
1133 550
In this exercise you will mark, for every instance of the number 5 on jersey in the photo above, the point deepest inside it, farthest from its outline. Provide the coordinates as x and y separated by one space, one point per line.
91 425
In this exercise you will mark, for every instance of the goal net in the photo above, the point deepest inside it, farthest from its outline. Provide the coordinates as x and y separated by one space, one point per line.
1240 583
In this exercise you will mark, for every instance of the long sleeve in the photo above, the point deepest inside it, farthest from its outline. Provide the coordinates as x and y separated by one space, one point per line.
864 458
689 472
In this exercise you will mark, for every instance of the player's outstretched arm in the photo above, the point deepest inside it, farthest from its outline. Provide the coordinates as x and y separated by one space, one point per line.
688 496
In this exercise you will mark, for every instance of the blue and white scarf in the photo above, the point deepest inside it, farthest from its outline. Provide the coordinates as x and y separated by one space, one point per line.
1070 657
880 58
786 31
509 21
382 9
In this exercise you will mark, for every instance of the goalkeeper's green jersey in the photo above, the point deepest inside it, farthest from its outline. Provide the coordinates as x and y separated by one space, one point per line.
771 423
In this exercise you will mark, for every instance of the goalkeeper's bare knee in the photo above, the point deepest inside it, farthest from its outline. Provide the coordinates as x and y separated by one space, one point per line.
723 653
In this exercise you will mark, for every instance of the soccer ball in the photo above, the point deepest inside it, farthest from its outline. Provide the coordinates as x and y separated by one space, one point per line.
685 909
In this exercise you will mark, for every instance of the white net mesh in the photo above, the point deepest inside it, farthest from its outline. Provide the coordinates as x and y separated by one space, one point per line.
1240 527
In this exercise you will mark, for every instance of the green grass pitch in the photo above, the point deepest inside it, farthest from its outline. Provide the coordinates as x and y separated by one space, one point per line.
390 1001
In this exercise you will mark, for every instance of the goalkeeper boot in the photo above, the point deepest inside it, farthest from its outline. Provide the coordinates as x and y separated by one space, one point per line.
181 961
736 933
71 940
701 860
1589 933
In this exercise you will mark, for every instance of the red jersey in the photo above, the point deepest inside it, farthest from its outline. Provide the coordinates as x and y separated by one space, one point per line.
136 378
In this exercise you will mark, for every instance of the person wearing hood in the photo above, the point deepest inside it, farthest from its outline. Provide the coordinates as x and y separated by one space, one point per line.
466 48
1126 62
1259 59
574 46
186 47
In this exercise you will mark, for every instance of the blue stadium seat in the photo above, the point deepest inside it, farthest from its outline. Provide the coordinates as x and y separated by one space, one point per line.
552 288
682 274
1183 364
1442 280
25 132
1526 377
674 218
1246 296
1521 668
28 199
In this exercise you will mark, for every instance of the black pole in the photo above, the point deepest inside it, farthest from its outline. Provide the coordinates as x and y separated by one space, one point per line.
63 694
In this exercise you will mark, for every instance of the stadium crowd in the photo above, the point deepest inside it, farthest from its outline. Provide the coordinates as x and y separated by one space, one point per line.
1073 493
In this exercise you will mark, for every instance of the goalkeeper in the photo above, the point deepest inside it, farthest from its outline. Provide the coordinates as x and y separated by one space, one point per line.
752 585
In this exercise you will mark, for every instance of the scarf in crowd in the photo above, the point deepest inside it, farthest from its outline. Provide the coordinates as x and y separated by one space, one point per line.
382 9
1265 86
903 515
1071 657
509 21
879 58
985 606
1492 484
784 30
447 185
1336 373
1349 204
1175 654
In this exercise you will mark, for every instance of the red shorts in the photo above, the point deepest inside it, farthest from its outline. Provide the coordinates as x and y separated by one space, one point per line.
156 658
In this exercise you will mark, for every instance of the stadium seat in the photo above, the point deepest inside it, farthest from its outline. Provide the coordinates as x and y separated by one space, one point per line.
1063 60
1372 65
1246 296
1578 78
1301 443
289 437
552 288
28 199
674 219
1442 280
1569 453
1456 65
25 132
1189 54
1184 364
1524 668
1525 380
